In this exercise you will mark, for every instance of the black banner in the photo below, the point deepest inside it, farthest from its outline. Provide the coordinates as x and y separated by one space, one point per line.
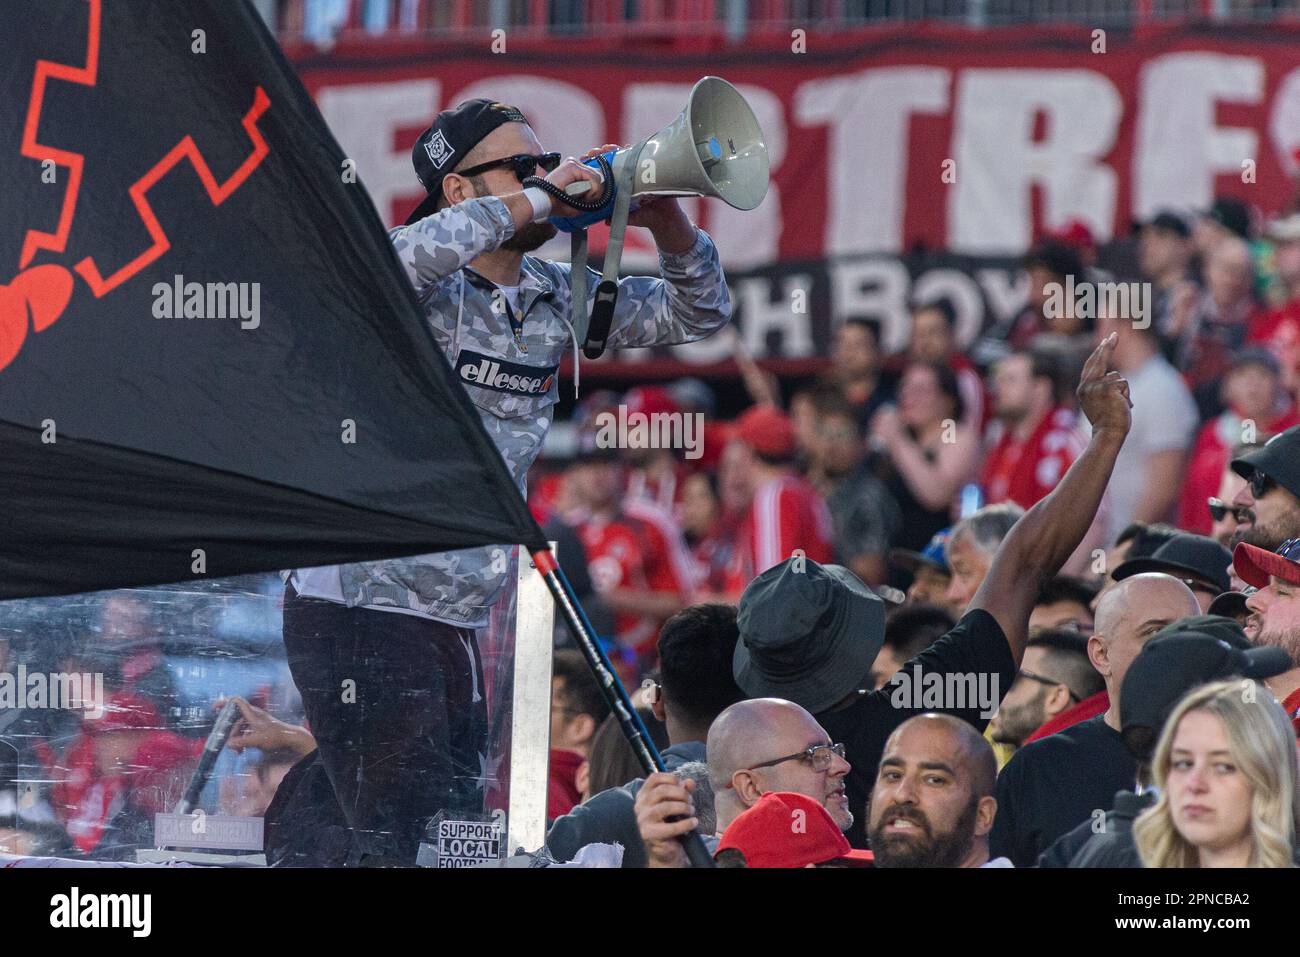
210 360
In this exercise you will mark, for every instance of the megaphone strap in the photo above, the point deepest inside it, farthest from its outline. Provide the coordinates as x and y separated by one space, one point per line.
582 205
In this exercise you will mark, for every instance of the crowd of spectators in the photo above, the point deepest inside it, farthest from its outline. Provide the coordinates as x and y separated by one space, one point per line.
910 471
769 595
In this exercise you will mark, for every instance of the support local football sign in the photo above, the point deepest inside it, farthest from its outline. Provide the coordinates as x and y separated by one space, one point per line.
974 143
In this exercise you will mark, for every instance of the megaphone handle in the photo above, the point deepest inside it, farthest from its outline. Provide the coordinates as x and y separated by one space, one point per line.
602 317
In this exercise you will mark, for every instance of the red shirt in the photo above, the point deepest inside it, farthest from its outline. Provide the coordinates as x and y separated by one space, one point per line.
642 550
1291 704
786 515
1025 471
1085 709
663 491
562 793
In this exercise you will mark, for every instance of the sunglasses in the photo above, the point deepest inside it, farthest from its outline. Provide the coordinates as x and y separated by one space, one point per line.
1219 508
521 164
1260 484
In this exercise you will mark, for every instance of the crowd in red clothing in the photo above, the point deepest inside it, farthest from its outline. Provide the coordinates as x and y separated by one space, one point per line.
882 452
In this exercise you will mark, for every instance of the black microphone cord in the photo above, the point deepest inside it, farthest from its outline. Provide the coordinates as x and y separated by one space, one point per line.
582 205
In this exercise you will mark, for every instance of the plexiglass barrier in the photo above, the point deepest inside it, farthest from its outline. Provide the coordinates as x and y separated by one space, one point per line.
107 700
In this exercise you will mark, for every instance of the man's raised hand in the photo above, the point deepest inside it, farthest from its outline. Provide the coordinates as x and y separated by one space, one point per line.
1103 395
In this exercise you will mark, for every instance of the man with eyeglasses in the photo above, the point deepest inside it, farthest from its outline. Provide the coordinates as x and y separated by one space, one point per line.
755 747
1054 676
1272 491
413 742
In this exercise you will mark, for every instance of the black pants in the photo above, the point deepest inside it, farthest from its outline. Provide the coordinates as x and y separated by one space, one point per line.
396 705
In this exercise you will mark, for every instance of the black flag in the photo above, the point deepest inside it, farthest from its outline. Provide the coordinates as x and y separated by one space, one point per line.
211 361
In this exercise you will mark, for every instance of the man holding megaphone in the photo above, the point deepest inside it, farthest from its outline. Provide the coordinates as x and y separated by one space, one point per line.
502 317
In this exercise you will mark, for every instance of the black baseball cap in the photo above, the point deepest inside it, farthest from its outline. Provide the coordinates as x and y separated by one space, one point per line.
1256 356
1171 665
1185 555
1279 459
454 132
1169 221
1232 604
1215 625
1232 214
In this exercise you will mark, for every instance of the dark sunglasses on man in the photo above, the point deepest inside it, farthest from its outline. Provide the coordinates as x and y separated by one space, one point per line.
1260 484
521 164
1219 508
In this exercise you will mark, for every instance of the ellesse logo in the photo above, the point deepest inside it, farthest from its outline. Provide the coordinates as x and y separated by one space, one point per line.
488 372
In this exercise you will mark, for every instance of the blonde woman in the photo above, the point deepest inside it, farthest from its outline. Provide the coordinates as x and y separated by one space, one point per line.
1226 771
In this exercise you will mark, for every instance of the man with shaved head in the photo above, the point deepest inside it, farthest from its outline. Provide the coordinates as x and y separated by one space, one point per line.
933 803
1053 784
755 747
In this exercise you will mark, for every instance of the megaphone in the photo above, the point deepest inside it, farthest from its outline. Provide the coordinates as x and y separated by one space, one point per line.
715 148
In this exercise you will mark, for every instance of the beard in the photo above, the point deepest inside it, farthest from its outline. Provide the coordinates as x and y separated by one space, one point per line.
530 237
925 850
1288 641
1271 536
1019 723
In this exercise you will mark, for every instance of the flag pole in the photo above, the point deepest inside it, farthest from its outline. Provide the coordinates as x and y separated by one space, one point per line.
615 694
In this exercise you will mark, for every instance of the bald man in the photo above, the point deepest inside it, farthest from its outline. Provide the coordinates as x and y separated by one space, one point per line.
933 804
1055 783
754 747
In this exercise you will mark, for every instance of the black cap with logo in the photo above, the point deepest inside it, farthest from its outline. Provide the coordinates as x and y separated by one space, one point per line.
455 132
1279 459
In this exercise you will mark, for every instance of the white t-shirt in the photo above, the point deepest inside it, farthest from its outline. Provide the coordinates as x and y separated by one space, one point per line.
1164 418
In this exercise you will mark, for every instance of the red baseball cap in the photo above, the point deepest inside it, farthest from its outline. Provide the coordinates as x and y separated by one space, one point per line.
785 829
1254 565
1075 233
766 430
650 399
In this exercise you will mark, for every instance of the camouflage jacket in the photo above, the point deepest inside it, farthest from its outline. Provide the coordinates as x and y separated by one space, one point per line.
514 382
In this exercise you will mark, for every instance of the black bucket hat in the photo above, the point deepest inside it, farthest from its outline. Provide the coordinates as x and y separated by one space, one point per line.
808 633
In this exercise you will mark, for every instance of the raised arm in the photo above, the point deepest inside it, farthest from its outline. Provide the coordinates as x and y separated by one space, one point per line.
438 245
1038 545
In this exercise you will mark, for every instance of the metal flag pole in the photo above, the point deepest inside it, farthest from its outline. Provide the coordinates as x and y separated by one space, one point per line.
615 694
